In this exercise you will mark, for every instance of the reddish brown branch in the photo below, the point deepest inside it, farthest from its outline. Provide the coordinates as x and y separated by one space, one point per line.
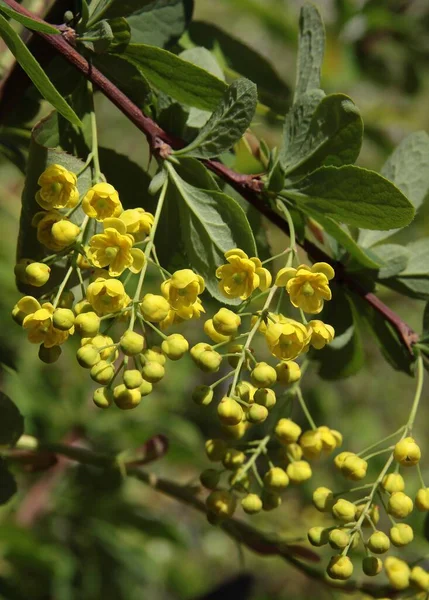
247 185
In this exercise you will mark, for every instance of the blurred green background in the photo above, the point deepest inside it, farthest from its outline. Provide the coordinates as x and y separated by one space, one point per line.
73 532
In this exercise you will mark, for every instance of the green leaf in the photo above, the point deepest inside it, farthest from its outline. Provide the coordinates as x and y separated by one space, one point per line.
311 48
161 23
408 168
11 422
176 77
7 483
244 61
211 223
35 72
334 137
99 37
413 280
227 124
121 34
126 76
394 259
28 22
352 195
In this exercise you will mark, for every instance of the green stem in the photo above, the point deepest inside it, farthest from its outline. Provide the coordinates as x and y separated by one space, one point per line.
304 408
282 208
389 449
252 460
385 439
227 376
96 176
62 286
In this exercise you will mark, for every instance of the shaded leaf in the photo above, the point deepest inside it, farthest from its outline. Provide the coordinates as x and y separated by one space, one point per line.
28 22
99 37
128 77
160 23
131 181
311 48
11 422
7 483
394 259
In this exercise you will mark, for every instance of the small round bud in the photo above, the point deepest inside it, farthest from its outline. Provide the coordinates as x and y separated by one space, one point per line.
175 346
251 504
234 432
210 479
393 482
401 534
287 431
209 361
407 452
270 500
233 459
102 372
211 332
154 308
420 578
153 354
353 467
422 499
229 411
125 398
257 414
340 567
378 542
37 274
293 451
239 480
153 371
399 505
221 503
299 471
64 232
373 514
265 397
196 350
63 319
226 322
397 571
263 375
88 356
323 499
318 536
49 355
372 565
311 444
131 343
288 371
341 457
215 449
244 390
66 299
133 379
102 397
344 511
276 479
339 539
105 345
145 388
87 324
202 395
82 307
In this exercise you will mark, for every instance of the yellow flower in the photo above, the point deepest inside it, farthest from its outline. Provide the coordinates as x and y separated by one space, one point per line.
101 202
322 334
107 295
39 325
307 287
287 338
182 291
114 249
138 222
44 221
58 188
242 275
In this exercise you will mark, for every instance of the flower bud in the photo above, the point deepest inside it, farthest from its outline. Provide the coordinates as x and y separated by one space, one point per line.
153 354
87 324
202 395
288 371
257 414
88 356
372 565
211 332
175 346
318 536
102 397
399 505
154 308
221 503
145 388
37 274
209 361
420 578
373 513
133 379
104 344
340 567
49 355
66 299
125 398
234 432
210 479
393 482
354 468
299 471
215 449
323 499
64 232
152 371
19 269
251 504
239 480
263 375
265 397
276 479
343 510
82 307
270 500
233 459
291 452
339 539
422 499
341 457
229 411
311 444
401 534
397 571
407 452
287 431
102 372
226 322
131 343
63 319
244 390
378 542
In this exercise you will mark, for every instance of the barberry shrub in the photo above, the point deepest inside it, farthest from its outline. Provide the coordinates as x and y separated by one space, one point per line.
116 263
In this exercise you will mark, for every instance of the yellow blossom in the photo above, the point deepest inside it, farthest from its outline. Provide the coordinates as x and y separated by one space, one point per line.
101 202
114 249
107 295
307 287
138 222
242 275
287 338
321 335
39 325
58 188
182 291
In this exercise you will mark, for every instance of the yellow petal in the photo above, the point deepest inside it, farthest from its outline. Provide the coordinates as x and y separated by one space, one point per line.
284 275
322 267
28 305
265 278
236 252
115 223
139 260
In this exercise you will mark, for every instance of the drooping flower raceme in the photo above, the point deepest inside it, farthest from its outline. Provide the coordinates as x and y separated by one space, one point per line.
287 338
242 275
308 287
101 201
182 291
58 188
